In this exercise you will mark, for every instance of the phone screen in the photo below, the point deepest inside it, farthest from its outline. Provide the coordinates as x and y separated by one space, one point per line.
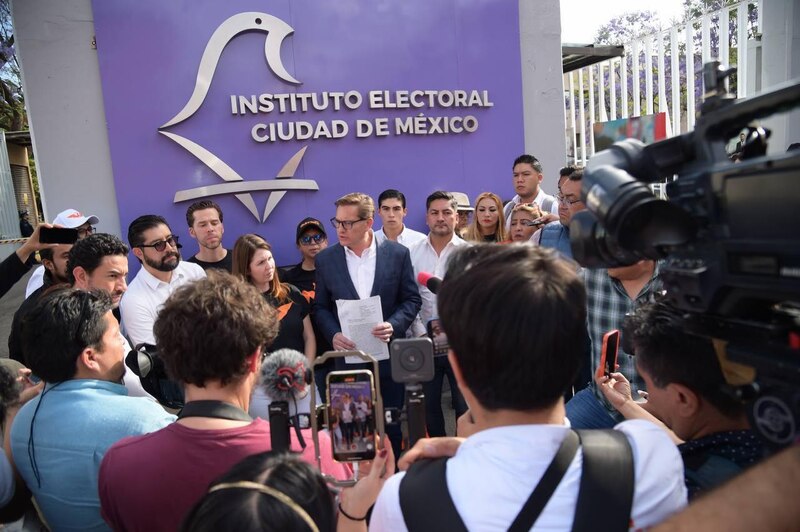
439 337
351 416
608 358
58 235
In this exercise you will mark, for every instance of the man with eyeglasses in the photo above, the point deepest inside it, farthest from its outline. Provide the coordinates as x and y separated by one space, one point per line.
310 239
162 273
527 172
556 235
70 219
359 267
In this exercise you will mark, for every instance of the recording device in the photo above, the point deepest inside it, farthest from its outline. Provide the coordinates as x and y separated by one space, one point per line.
608 356
284 378
412 364
438 337
377 406
429 281
148 366
351 415
727 236
58 235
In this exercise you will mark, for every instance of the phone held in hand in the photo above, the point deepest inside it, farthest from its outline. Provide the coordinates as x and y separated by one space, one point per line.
608 358
351 415
58 235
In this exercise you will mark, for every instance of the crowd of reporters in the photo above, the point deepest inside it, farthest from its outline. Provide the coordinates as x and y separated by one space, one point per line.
524 323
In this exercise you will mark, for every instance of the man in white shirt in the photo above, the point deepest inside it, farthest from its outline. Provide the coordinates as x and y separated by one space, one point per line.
527 178
358 267
515 318
392 210
431 256
162 273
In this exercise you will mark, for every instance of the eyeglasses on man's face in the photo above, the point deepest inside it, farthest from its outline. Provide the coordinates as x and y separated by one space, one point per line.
563 200
347 224
307 240
161 245
83 232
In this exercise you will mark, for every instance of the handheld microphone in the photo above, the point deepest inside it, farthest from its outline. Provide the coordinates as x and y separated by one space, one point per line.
429 281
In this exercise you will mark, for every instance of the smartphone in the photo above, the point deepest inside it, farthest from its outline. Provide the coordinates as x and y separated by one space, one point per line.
608 357
58 235
439 338
351 415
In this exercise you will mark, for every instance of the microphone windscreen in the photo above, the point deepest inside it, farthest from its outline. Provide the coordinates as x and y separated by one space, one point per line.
290 363
429 281
422 278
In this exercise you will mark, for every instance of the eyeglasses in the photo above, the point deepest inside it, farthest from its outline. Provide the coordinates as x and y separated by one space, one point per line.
307 240
86 231
161 245
347 224
564 201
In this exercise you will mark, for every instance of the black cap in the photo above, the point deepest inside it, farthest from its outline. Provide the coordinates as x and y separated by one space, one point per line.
306 224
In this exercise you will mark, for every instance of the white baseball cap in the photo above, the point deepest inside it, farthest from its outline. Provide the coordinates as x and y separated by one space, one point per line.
72 219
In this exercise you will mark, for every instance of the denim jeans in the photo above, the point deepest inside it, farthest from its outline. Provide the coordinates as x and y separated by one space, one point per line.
433 397
585 411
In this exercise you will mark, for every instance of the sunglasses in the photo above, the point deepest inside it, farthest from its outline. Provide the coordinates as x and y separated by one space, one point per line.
307 240
161 245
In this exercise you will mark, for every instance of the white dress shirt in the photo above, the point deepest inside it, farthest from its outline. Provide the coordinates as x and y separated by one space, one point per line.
425 259
538 200
362 269
145 296
495 471
407 237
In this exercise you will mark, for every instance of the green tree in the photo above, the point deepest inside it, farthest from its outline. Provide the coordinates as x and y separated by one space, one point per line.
12 101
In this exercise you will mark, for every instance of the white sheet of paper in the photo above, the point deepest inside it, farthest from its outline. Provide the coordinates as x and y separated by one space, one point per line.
358 317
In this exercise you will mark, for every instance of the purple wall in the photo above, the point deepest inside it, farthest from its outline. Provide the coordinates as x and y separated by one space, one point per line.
149 53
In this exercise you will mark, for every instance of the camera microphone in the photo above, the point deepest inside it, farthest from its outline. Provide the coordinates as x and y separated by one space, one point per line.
429 281
284 375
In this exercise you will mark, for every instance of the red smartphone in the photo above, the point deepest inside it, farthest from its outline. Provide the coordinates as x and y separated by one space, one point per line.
608 358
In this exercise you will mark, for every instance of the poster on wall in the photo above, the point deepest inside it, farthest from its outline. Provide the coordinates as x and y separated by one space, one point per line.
275 109
647 128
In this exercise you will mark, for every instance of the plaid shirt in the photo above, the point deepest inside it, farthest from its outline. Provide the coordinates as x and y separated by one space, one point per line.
607 305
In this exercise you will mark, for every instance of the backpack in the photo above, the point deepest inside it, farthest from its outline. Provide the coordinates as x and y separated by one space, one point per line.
606 489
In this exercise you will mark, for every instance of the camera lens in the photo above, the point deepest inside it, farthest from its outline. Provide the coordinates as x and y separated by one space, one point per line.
411 359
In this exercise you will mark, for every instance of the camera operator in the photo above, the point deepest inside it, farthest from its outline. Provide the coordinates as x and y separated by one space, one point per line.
211 335
513 380
685 392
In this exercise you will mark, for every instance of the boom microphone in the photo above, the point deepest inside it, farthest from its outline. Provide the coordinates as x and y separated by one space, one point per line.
284 375
429 281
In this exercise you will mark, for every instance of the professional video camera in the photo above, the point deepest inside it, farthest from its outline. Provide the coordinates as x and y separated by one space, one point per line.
728 237
148 366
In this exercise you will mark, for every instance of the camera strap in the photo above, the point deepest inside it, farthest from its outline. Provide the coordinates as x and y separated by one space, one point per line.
215 409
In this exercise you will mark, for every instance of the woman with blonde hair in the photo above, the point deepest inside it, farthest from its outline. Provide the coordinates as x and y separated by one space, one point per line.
524 222
487 223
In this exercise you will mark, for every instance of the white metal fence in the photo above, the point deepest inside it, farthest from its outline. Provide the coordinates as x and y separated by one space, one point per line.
659 73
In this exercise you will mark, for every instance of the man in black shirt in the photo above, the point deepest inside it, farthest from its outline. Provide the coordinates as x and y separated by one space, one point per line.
205 226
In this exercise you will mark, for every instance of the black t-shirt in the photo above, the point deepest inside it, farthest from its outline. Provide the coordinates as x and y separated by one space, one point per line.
225 264
296 275
291 314
305 281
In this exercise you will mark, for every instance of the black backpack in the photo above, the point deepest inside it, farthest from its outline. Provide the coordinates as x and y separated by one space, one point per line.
604 500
